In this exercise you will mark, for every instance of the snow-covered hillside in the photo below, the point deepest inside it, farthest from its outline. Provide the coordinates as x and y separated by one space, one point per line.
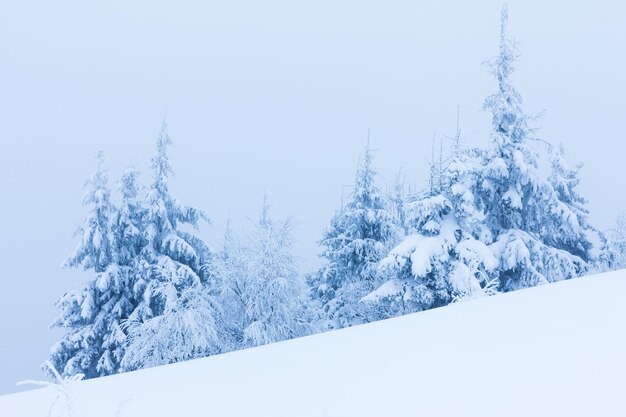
554 350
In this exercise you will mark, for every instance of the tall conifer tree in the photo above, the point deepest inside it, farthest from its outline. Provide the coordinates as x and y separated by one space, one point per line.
93 313
177 318
359 236
536 235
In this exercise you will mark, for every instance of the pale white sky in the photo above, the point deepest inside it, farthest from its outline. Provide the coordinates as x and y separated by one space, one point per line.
269 95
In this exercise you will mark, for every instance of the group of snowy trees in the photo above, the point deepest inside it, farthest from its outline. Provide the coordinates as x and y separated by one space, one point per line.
490 220
157 294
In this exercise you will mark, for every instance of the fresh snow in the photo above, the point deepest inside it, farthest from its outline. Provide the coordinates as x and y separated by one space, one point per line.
389 288
422 250
552 350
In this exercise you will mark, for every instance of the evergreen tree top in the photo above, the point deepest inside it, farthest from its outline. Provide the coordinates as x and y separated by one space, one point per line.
508 119
508 52
264 218
365 194
162 169
98 192
94 248
165 211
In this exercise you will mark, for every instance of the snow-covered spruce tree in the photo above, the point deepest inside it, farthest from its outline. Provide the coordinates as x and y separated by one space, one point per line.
442 260
127 229
582 239
93 313
269 292
359 236
95 248
537 233
613 254
177 318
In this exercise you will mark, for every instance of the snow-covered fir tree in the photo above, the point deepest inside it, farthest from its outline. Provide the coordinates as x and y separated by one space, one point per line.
177 318
127 229
94 312
359 236
95 248
613 253
537 235
266 292
442 259
580 236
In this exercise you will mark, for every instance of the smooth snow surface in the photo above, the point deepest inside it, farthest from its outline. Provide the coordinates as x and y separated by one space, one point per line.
554 350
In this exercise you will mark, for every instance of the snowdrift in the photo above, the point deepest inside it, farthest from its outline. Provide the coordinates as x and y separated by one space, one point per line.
555 350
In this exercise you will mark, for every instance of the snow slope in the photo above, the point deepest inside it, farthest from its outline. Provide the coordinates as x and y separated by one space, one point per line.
555 350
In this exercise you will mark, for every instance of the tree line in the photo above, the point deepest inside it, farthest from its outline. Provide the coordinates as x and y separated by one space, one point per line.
489 220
